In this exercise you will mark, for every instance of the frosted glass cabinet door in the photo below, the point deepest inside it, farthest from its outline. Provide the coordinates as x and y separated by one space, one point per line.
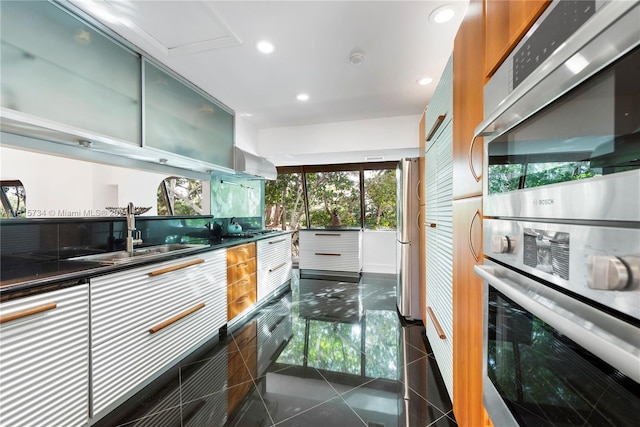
180 120
56 67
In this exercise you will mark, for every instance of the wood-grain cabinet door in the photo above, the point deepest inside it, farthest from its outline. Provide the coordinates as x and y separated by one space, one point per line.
468 83
467 312
506 22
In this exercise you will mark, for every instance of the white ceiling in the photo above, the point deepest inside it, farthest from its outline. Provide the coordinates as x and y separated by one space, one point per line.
212 44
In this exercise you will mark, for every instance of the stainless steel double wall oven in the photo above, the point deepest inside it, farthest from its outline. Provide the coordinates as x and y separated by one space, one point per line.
561 274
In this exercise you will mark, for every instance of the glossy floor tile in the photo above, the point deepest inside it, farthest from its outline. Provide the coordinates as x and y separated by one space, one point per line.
327 353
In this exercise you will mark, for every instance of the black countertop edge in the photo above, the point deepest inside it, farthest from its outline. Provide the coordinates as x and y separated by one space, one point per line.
86 270
56 220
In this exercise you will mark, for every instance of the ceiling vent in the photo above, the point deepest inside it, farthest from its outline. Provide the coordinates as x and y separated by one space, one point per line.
250 164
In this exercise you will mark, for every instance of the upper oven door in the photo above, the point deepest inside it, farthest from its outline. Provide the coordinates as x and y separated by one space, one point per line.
569 123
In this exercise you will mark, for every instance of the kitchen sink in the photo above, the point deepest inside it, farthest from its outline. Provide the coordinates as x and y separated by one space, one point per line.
139 254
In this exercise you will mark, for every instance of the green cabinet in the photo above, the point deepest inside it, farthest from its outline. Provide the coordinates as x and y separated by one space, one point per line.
58 68
180 120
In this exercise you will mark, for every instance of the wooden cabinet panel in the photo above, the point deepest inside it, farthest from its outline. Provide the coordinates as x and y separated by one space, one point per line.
468 82
467 312
506 22
241 279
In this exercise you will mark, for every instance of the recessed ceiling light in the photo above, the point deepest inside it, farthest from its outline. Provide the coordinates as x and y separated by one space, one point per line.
265 46
302 97
442 14
424 81
246 114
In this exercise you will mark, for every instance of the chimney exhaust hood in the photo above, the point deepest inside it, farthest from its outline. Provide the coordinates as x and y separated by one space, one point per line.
250 164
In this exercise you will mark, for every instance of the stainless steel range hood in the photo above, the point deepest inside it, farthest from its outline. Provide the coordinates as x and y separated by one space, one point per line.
250 164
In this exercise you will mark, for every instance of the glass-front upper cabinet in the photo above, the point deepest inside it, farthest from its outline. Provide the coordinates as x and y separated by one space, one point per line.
58 68
180 120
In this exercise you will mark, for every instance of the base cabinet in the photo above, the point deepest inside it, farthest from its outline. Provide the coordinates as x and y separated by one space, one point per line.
44 359
241 279
274 264
144 319
331 250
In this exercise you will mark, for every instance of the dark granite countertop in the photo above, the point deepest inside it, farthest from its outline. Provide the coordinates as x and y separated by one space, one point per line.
19 275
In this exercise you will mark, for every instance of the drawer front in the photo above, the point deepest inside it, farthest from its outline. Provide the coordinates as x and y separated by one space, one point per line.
50 386
126 300
241 253
241 287
241 270
274 265
238 306
137 354
330 260
330 240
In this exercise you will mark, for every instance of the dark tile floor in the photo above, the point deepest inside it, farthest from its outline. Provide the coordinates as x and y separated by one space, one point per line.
326 353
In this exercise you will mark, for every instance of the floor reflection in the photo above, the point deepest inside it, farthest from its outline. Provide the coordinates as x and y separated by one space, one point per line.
327 353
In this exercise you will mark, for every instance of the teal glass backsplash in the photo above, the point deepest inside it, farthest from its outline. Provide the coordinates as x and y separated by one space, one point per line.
237 198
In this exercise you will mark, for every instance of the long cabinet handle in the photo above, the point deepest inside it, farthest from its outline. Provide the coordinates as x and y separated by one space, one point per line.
436 324
28 312
470 157
176 267
175 318
471 248
327 234
435 127
276 241
271 270
323 254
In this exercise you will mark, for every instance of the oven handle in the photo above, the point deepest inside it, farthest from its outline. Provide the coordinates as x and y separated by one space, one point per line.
611 339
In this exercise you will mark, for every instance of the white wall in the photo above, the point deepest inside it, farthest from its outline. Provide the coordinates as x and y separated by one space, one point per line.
342 142
379 251
60 187
246 136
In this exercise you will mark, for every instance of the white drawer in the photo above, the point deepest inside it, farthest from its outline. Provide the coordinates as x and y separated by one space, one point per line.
274 264
333 260
334 240
121 364
130 298
44 359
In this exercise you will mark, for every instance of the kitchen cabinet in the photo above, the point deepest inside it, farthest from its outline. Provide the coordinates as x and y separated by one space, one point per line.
181 120
144 319
467 310
274 264
241 279
59 71
331 250
439 227
468 82
506 22
44 358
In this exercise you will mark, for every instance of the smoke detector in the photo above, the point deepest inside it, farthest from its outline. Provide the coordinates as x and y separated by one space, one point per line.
356 58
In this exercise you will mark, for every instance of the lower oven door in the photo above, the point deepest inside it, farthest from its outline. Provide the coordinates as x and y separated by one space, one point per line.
551 360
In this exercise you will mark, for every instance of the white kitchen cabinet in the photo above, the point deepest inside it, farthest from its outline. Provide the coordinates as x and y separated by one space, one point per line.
44 359
439 229
330 250
274 264
144 319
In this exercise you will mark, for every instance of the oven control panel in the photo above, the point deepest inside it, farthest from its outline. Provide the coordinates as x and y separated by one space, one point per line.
597 262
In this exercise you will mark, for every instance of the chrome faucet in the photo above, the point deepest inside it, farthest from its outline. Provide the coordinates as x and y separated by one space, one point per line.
133 235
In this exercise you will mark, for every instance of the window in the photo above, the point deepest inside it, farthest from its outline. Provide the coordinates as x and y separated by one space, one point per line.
181 196
347 195
13 198
334 199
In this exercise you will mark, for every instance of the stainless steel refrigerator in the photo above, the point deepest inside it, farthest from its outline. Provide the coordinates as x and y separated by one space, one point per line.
408 239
